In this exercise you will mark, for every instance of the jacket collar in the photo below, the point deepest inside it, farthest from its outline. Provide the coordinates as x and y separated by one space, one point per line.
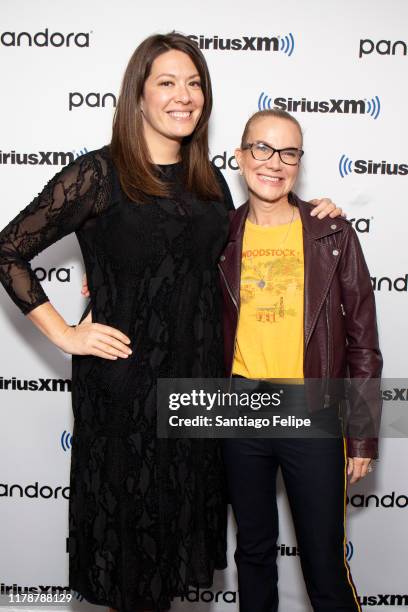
314 227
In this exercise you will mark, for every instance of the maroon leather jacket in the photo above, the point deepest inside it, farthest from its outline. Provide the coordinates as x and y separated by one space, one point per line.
340 329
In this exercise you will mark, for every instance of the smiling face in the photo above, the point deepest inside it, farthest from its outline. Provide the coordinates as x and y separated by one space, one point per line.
172 100
270 181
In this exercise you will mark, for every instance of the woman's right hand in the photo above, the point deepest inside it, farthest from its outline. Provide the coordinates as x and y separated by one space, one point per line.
89 338
109 342
86 338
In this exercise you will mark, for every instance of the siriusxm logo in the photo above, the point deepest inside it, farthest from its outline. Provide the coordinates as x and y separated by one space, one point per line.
363 166
382 47
16 589
345 166
287 551
284 44
349 550
44 39
395 394
383 600
80 152
66 440
40 158
35 384
293 551
365 106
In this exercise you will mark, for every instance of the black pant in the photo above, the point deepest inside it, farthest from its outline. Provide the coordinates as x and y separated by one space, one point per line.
314 474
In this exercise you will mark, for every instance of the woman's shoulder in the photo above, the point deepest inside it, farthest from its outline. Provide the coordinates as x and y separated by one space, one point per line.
100 158
92 173
316 224
93 169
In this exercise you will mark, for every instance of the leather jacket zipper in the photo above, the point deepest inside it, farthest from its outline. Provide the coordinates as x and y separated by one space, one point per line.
236 327
228 288
327 394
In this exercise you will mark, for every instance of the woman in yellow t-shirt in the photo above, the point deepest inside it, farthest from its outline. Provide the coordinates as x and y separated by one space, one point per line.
298 308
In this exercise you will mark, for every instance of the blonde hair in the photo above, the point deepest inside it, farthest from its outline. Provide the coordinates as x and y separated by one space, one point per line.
273 112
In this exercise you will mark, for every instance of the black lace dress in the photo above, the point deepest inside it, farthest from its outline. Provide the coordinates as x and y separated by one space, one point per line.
147 516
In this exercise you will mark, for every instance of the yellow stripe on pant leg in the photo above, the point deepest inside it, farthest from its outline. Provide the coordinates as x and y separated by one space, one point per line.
349 578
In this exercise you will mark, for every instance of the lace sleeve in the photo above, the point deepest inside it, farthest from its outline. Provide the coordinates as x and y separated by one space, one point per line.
79 191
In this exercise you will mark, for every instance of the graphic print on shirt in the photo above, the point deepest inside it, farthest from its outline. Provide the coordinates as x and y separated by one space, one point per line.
272 283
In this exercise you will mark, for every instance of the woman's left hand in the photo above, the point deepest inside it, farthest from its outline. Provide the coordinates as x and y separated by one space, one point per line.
357 468
325 207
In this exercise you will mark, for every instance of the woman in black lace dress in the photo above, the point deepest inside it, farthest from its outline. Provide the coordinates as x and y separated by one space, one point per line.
147 516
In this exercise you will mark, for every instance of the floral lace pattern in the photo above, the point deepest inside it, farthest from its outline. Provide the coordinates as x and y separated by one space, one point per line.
147 516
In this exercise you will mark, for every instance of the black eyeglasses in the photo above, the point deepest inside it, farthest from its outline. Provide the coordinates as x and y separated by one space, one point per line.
262 152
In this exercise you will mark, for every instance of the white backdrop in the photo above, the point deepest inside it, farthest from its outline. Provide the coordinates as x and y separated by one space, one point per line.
347 59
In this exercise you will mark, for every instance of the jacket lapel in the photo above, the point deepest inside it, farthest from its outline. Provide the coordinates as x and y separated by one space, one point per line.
321 257
230 260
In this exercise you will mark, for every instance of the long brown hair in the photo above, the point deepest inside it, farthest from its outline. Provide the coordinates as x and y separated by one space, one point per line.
138 176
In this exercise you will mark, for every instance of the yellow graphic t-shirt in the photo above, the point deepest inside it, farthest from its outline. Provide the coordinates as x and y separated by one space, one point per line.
270 328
